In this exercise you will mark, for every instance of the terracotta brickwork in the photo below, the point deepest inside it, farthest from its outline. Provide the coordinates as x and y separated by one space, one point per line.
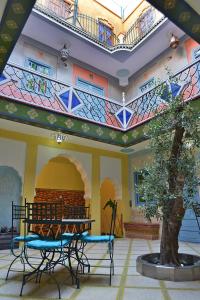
71 198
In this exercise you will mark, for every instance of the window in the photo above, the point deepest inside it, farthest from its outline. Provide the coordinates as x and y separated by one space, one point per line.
146 21
90 87
35 83
138 179
147 85
105 34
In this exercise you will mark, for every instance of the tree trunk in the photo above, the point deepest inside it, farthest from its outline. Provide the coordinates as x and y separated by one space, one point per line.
170 231
175 208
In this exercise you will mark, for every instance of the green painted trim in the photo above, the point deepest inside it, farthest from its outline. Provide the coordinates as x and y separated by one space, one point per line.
182 14
37 116
13 20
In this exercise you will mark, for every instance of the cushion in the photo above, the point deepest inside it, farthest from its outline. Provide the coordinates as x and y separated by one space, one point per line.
47 244
98 238
26 238
71 235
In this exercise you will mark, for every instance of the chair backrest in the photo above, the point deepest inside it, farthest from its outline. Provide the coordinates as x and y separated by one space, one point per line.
75 212
18 213
44 211
113 218
196 209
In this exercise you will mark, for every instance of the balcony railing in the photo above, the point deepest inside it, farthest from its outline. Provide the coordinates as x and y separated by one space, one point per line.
88 25
186 83
94 29
147 21
38 90
23 85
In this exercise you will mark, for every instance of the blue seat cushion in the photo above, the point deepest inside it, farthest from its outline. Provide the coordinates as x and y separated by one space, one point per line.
26 238
98 238
71 235
48 244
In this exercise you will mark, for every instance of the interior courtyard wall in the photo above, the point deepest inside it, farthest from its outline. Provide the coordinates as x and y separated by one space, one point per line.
26 48
96 10
172 59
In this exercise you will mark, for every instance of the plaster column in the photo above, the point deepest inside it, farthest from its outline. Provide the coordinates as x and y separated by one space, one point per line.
29 176
95 199
125 190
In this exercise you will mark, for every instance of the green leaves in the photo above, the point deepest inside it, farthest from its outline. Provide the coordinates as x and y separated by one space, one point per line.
174 137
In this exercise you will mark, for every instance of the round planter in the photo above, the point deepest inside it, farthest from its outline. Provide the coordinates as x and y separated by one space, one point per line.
148 265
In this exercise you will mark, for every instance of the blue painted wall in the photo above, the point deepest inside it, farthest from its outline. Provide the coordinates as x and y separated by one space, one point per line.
10 190
189 230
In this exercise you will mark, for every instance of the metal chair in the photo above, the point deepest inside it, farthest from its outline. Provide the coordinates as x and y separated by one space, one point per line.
108 239
52 246
18 214
196 209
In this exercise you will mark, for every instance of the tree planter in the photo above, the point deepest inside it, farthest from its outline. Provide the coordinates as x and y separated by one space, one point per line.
148 265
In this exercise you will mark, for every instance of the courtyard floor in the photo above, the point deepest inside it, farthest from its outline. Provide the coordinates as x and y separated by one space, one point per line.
126 283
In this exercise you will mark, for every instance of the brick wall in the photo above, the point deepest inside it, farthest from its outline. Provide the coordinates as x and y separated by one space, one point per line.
71 198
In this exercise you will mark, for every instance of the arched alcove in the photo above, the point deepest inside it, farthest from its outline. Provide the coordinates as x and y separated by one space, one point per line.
10 190
60 179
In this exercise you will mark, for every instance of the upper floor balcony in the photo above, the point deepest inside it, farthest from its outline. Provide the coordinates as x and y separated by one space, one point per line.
40 91
99 29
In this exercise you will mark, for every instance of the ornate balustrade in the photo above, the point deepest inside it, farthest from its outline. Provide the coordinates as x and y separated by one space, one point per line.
23 85
35 89
143 25
96 30
69 16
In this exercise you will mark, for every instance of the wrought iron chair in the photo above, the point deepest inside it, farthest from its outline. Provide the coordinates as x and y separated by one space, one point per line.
51 244
19 214
196 209
108 239
77 246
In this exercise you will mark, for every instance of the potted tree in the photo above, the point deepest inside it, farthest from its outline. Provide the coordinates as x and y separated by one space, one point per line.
170 183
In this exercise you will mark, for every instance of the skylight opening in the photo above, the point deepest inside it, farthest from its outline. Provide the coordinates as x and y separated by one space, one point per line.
122 8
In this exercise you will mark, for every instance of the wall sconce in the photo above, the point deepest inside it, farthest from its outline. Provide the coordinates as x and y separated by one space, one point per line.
64 54
59 137
174 42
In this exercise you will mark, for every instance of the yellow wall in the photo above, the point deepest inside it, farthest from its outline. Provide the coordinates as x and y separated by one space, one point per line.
96 10
107 192
32 143
60 173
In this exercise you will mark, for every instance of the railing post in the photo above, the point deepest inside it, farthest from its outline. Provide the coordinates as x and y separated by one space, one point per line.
75 12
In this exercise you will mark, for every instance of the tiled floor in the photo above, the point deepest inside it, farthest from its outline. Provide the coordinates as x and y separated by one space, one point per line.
126 284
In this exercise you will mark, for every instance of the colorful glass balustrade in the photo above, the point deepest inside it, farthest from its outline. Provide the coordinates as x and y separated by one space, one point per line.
30 87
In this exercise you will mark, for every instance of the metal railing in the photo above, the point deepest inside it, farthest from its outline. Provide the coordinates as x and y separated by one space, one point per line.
35 89
30 87
156 99
90 26
144 24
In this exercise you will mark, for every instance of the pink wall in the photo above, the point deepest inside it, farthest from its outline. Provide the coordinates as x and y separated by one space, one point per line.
89 76
190 44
